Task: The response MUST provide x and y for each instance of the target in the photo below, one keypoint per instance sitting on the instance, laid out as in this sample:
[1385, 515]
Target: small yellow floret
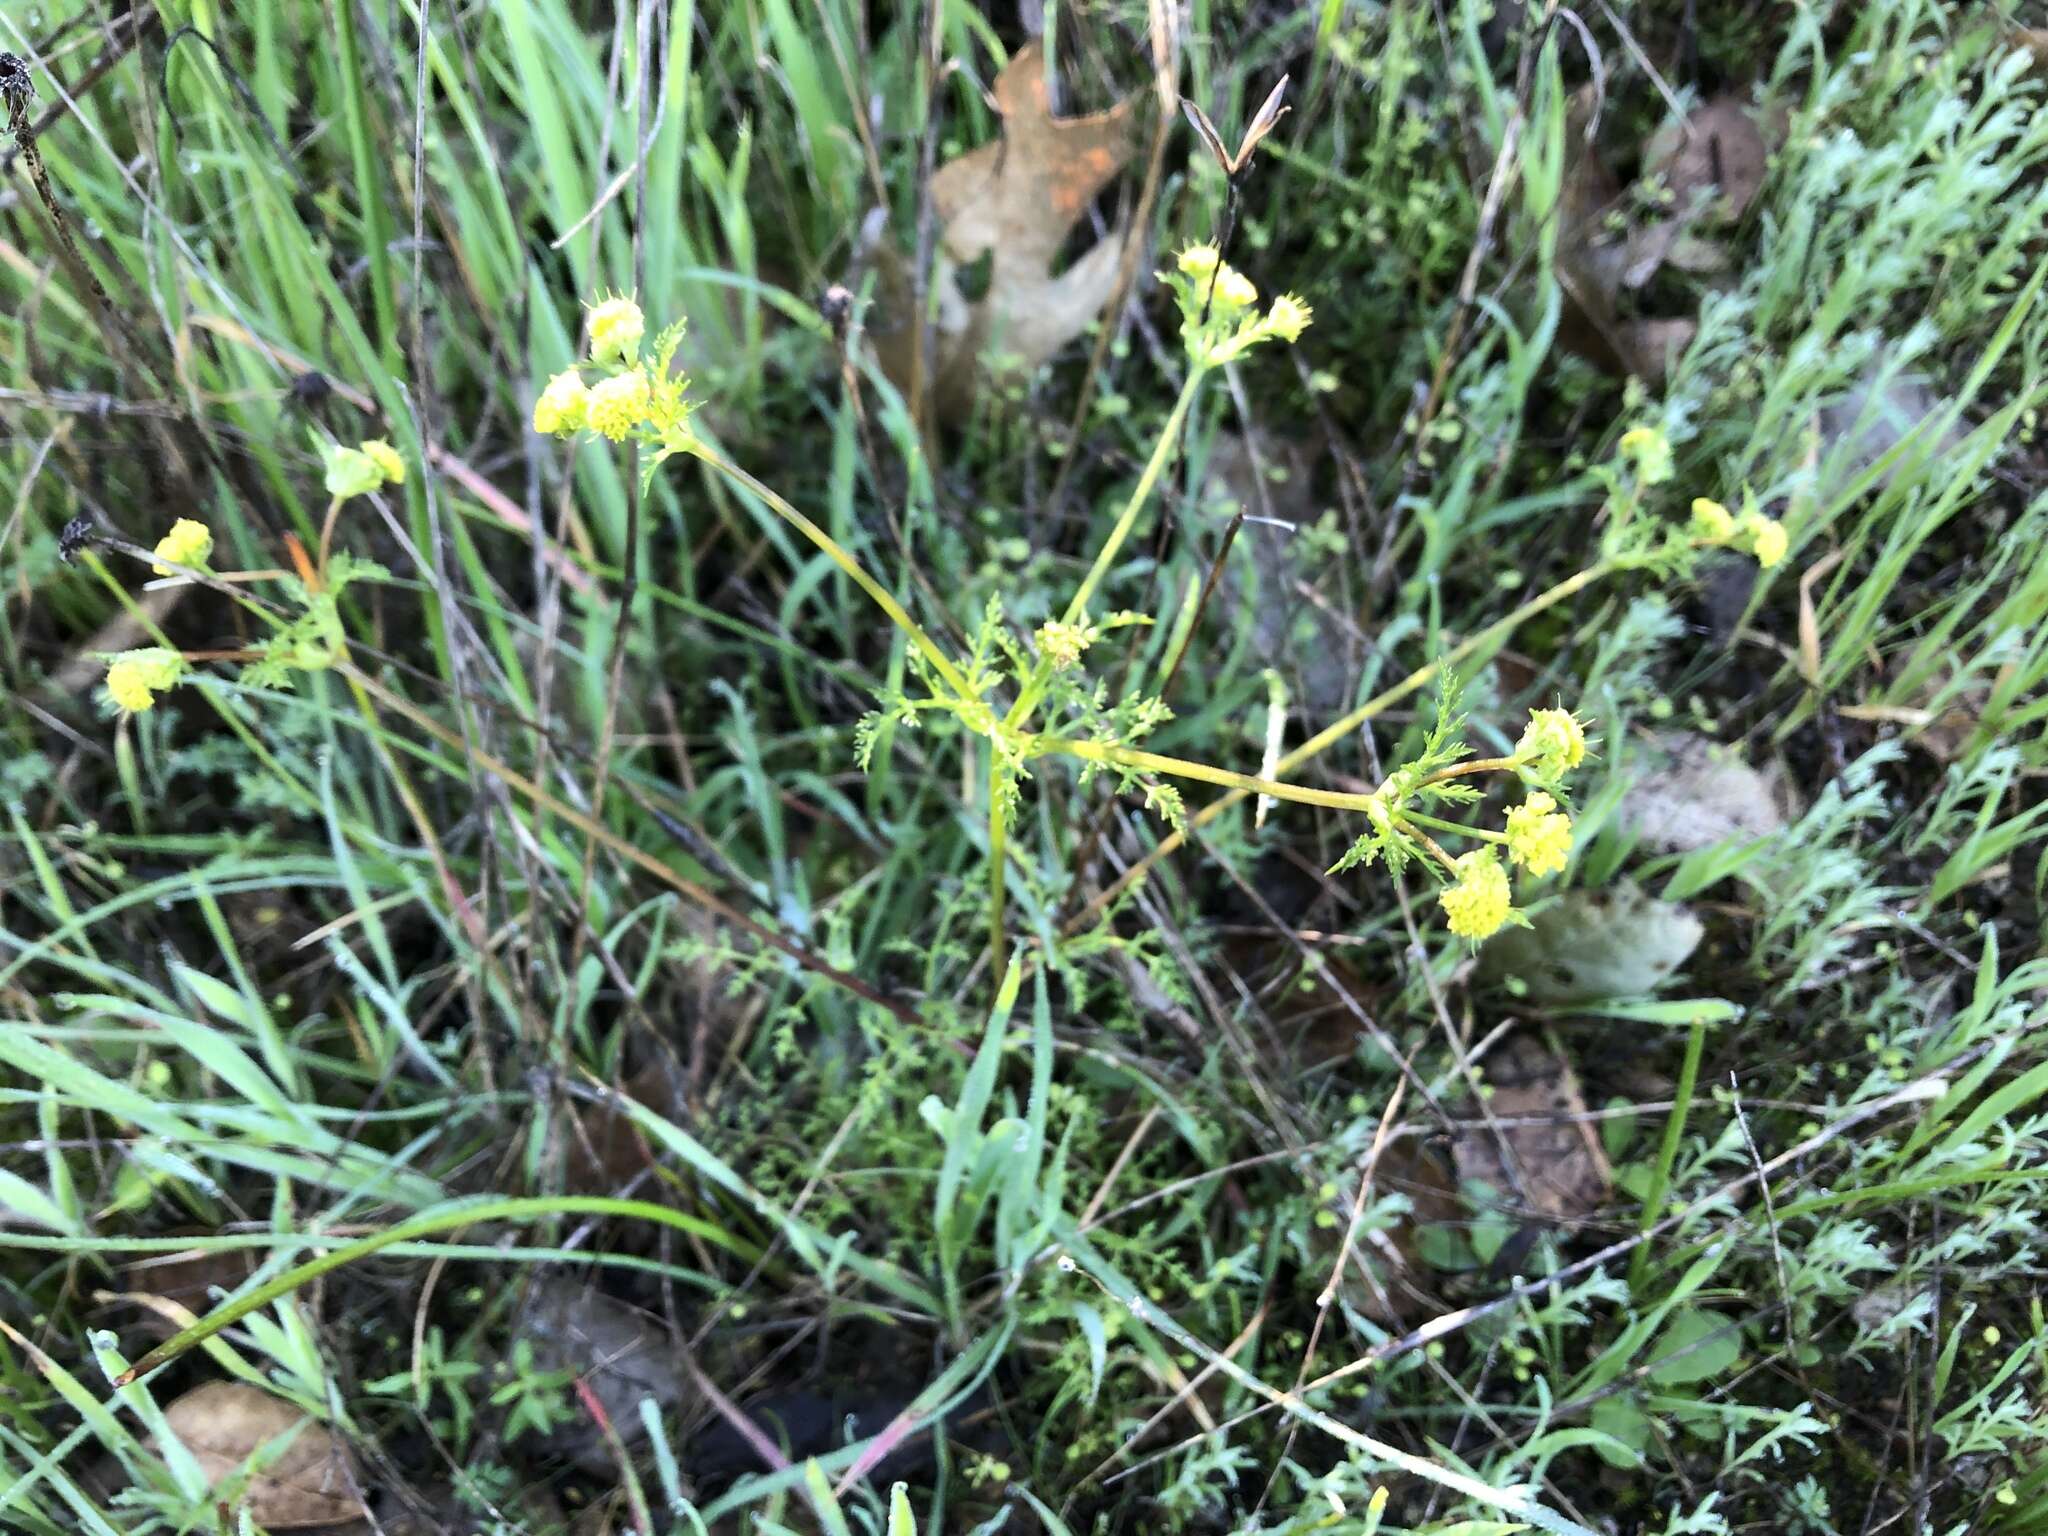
[385, 457]
[617, 405]
[562, 405]
[1539, 835]
[135, 678]
[1712, 521]
[616, 326]
[188, 543]
[1553, 741]
[1289, 317]
[1199, 260]
[1768, 541]
[1650, 451]
[1062, 644]
[1234, 290]
[1479, 903]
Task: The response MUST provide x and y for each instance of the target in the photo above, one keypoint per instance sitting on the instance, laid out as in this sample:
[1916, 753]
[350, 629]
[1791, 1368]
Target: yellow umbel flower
[617, 405]
[135, 678]
[1712, 521]
[1650, 451]
[616, 326]
[1539, 835]
[188, 543]
[1198, 260]
[1234, 290]
[1553, 742]
[563, 404]
[385, 457]
[1479, 903]
[1062, 643]
[1767, 540]
[1288, 317]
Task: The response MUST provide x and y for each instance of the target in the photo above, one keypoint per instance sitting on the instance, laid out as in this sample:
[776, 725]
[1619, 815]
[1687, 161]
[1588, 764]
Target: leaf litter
[1014, 203]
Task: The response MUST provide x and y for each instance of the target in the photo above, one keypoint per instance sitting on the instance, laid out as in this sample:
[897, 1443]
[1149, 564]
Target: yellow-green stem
[1148, 481]
[1185, 768]
[1477, 765]
[839, 556]
[1162, 453]
[998, 853]
[1454, 828]
[1034, 686]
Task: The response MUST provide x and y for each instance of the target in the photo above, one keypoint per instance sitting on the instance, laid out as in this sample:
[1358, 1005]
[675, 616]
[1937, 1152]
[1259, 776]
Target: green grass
[555, 943]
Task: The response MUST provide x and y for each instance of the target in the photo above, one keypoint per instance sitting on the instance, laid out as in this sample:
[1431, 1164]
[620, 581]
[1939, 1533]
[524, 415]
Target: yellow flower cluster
[189, 543]
[1219, 317]
[1478, 903]
[135, 678]
[357, 471]
[1062, 644]
[1539, 835]
[639, 397]
[1650, 451]
[1553, 743]
[1765, 536]
[616, 326]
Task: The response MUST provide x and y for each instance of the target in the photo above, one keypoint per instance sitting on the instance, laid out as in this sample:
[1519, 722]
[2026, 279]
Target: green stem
[840, 557]
[998, 854]
[1667, 1152]
[1162, 454]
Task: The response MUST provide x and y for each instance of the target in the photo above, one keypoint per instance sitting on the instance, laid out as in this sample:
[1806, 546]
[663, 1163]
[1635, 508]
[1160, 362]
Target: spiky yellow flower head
[1539, 835]
[188, 543]
[1650, 451]
[615, 406]
[1477, 905]
[1767, 540]
[1289, 317]
[385, 457]
[135, 678]
[1712, 521]
[616, 326]
[562, 405]
[1234, 290]
[1063, 643]
[1553, 742]
[1198, 260]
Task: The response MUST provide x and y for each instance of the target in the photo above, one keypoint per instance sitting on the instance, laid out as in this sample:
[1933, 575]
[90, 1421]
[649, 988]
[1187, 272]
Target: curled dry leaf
[1712, 165]
[1587, 945]
[1013, 202]
[311, 1482]
[1540, 1155]
[1693, 792]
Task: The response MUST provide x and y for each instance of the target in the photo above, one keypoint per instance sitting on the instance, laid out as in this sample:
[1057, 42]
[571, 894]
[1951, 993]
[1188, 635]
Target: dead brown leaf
[312, 1482]
[1540, 1153]
[1718, 149]
[1693, 792]
[1015, 202]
